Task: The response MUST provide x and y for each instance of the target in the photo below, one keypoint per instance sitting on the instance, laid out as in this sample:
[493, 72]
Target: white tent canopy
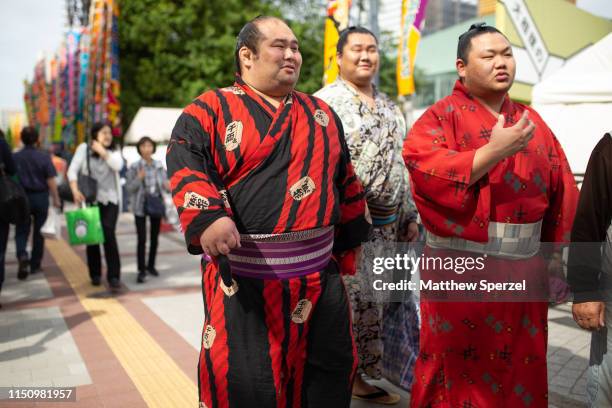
[585, 78]
[576, 101]
[157, 123]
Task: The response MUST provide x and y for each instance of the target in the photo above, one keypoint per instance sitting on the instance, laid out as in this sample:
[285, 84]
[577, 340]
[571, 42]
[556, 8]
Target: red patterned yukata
[485, 354]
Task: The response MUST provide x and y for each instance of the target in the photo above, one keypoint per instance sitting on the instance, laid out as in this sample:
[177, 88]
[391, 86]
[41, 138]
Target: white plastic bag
[171, 213]
[52, 227]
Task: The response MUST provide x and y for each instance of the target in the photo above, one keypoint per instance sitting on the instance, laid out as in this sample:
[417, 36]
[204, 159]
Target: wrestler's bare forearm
[484, 160]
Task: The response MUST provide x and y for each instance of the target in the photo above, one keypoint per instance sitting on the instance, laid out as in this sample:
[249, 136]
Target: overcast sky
[34, 27]
[30, 27]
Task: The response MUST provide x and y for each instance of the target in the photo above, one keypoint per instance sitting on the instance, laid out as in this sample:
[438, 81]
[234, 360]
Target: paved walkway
[139, 347]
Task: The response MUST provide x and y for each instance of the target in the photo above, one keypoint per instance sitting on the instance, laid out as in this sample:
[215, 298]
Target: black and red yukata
[280, 335]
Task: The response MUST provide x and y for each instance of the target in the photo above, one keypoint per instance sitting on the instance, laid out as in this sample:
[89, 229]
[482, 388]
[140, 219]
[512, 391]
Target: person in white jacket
[105, 161]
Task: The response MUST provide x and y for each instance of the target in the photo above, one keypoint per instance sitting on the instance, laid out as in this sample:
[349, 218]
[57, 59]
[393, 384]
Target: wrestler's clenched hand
[589, 315]
[410, 233]
[220, 237]
[504, 142]
[507, 141]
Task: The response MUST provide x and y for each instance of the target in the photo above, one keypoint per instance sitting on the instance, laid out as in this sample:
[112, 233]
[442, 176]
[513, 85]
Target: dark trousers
[108, 216]
[39, 206]
[262, 357]
[141, 231]
[4, 231]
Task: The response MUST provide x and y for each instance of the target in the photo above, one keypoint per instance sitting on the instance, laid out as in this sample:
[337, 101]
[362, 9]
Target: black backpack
[14, 205]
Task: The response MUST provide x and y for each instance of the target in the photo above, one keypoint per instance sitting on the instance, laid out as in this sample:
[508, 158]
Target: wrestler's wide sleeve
[592, 220]
[197, 190]
[355, 224]
[440, 170]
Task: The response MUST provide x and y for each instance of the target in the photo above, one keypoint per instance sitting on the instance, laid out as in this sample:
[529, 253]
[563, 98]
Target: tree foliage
[307, 20]
[386, 73]
[171, 51]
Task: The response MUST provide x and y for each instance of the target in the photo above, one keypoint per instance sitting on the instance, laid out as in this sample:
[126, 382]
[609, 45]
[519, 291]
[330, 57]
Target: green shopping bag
[84, 226]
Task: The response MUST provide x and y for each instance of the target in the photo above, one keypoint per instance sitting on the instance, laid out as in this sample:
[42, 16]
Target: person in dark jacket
[590, 270]
[7, 166]
[37, 176]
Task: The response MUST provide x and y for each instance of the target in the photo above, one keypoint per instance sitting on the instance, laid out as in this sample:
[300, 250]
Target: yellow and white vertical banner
[337, 20]
[413, 17]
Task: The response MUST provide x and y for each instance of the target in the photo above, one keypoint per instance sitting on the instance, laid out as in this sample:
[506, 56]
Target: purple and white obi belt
[282, 256]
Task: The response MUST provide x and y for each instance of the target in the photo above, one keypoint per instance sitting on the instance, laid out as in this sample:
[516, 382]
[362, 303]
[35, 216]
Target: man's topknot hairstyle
[249, 36]
[465, 40]
[344, 35]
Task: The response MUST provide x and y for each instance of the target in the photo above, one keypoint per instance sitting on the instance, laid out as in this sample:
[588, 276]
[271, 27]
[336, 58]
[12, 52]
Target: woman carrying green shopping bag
[84, 226]
[94, 178]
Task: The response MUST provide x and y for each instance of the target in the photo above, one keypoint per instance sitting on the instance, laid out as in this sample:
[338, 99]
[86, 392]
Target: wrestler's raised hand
[220, 237]
[507, 141]
[503, 142]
